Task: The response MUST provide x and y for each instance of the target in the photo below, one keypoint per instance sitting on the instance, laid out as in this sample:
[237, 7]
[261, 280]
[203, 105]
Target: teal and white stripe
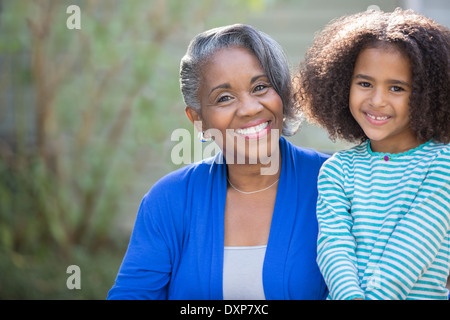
[384, 226]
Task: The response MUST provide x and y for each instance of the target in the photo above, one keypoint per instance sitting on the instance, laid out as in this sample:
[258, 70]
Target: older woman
[228, 227]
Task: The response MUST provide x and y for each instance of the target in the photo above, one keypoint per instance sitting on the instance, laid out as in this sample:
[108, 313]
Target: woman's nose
[249, 106]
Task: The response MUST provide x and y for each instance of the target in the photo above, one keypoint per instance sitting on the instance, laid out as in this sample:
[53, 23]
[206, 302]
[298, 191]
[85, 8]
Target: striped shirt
[384, 223]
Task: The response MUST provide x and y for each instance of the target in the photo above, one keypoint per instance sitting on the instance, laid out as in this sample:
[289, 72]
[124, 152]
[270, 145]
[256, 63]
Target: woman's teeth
[252, 130]
[377, 118]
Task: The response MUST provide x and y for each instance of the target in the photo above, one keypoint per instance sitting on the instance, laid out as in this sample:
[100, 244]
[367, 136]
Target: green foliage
[90, 109]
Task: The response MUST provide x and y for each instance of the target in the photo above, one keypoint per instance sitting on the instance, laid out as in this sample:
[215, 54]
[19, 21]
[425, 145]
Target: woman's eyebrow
[228, 86]
[220, 86]
[257, 77]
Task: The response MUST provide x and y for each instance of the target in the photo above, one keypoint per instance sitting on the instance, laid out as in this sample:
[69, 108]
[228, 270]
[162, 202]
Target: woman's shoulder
[166, 200]
[177, 182]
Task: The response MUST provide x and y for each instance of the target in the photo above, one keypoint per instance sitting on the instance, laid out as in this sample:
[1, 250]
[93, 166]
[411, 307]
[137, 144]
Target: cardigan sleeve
[336, 245]
[146, 268]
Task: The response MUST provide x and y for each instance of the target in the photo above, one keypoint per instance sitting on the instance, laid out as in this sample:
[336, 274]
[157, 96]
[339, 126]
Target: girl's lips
[376, 119]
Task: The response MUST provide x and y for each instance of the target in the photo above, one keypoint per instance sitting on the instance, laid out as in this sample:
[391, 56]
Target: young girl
[382, 79]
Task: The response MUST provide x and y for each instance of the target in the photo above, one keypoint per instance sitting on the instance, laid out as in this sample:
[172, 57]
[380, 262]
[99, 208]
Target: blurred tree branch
[93, 91]
[78, 78]
[86, 112]
[45, 94]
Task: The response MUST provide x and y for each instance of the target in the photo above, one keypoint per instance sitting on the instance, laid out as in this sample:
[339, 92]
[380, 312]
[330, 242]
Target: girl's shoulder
[360, 156]
[348, 155]
[438, 148]
[431, 154]
[438, 156]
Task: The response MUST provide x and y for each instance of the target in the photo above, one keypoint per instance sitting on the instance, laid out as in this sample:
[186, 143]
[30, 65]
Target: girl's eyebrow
[404, 83]
[391, 81]
[363, 76]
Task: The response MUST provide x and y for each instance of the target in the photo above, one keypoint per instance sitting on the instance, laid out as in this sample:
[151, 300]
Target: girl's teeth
[252, 130]
[377, 118]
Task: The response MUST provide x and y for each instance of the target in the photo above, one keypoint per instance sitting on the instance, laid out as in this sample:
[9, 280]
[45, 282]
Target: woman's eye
[364, 84]
[224, 99]
[260, 87]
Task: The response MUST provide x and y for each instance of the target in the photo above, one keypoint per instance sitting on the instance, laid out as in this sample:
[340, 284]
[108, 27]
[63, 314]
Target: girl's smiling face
[238, 100]
[379, 99]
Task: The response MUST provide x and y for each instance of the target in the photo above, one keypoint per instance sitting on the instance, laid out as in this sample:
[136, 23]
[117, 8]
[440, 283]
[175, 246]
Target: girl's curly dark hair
[323, 82]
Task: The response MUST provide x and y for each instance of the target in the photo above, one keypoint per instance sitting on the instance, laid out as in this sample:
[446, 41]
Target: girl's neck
[395, 146]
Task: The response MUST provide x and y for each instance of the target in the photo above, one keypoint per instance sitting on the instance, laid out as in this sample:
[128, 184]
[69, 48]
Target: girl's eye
[397, 89]
[364, 84]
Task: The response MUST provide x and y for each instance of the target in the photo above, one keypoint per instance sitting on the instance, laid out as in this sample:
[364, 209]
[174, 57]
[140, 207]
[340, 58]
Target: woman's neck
[251, 177]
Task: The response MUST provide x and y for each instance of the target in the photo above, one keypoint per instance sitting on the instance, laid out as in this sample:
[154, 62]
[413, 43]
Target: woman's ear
[194, 117]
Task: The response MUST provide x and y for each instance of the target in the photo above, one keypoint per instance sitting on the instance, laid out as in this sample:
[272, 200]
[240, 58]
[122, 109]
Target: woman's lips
[254, 132]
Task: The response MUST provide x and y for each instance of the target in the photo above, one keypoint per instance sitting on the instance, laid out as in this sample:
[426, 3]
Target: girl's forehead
[385, 46]
[383, 53]
[383, 63]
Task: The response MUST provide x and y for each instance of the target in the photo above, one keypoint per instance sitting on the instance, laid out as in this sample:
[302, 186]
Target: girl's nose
[378, 98]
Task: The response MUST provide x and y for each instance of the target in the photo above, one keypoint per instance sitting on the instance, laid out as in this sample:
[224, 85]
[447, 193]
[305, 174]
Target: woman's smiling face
[238, 101]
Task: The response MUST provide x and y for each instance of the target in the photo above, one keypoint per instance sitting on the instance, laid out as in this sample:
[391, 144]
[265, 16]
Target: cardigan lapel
[281, 228]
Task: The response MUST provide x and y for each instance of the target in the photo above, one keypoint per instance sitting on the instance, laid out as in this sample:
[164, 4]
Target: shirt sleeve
[417, 238]
[146, 268]
[336, 245]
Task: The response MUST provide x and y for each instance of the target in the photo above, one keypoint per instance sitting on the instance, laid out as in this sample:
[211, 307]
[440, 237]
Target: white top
[242, 273]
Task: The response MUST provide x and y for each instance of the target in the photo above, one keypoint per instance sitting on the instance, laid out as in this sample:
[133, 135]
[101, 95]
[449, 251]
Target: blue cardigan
[176, 248]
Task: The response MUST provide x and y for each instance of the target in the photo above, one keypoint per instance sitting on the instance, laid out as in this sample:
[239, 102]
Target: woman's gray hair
[266, 50]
